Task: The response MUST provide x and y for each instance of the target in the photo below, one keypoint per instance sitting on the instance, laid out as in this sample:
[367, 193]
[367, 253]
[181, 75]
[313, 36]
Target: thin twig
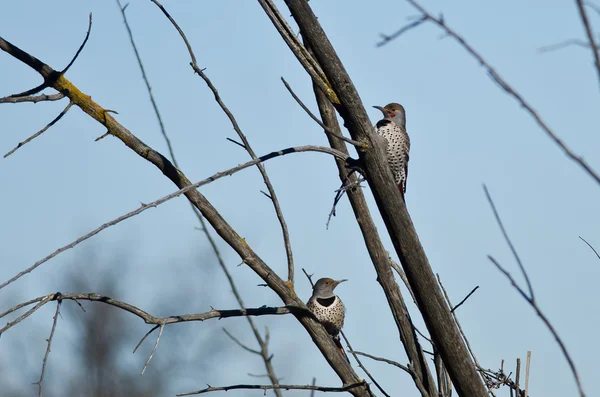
[309, 277]
[270, 387]
[590, 35]
[162, 327]
[87, 36]
[464, 299]
[361, 365]
[563, 44]
[144, 338]
[179, 192]
[284, 229]
[508, 89]
[512, 248]
[28, 313]
[463, 335]
[40, 132]
[233, 338]
[32, 98]
[589, 245]
[527, 364]
[402, 276]
[147, 82]
[264, 351]
[385, 360]
[540, 314]
[54, 321]
[329, 131]
[386, 38]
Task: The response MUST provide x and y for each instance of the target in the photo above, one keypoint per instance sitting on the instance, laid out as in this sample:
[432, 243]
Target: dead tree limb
[392, 207]
[286, 292]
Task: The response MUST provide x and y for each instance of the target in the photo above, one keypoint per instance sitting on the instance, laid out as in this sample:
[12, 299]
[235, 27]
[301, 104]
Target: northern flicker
[328, 307]
[393, 128]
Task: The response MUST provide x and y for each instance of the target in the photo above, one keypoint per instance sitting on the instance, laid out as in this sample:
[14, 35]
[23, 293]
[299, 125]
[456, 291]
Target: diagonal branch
[184, 190]
[530, 299]
[510, 244]
[393, 211]
[508, 89]
[590, 35]
[284, 229]
[285, 292]
[40, 132]
[590, 245]
[379, 256]
[264, 349]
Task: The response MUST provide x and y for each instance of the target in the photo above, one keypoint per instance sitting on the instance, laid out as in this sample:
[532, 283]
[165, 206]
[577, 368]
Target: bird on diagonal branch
[328, 307]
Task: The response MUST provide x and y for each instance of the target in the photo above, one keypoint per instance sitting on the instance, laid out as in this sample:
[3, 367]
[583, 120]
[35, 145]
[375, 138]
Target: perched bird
[328, 307]
[393, 128]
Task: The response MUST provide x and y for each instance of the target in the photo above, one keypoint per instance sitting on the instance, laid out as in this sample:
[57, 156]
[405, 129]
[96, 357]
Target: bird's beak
[380, 108]
[337, 282]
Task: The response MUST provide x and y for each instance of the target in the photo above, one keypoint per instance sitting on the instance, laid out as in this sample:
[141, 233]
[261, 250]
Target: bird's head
[394, 111]
[324, 287]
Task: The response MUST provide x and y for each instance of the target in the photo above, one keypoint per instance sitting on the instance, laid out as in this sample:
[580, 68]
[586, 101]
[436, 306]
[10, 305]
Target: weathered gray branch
[379, 257]
[262, 342]
[392, 207]
[286, 292]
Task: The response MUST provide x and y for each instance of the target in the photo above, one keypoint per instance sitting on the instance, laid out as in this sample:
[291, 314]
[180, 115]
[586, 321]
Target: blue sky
[464, 131]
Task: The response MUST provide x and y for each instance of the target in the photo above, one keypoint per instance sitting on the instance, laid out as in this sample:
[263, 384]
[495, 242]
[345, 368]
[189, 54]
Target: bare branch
[387, 38]
[271, 387]
[42, 301]
[161, 321]
[147, 82]
[162, 327]
[32, 99]
[87, 36]
[385, 360]
[179, 192]
[248, 256]
[563, 44]
[264, 351]
[463, 335]
[40, 132]
[512, 248]
[590, 35]
[328, 131]
[508, 89]
[360, 364]
[464, 299]
[233, 338]
[144, 337]
[589, 245]
[284, 229]
[54, 321]
[306, 59]
[540, 314]
[527, 365]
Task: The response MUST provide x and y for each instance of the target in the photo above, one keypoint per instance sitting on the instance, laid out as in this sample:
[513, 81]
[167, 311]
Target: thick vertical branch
[393, 209]
[379, 257]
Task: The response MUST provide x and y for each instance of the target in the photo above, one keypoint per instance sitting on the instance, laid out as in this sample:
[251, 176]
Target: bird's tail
[338, 343]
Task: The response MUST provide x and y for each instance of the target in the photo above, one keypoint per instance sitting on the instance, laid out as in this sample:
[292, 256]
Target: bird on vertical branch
[328, 308]
[393, 128]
